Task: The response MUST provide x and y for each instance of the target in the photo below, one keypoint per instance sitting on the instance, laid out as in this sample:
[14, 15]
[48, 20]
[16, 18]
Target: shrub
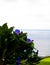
[15, 46]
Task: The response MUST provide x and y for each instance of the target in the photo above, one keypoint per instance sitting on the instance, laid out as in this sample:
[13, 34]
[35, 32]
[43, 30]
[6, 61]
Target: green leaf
[22, 34]
[0, 30]
[32, 45]
[4, 27]
[11, 29]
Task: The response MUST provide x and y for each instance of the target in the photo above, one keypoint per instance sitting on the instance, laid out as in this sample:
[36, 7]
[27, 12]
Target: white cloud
[26, 14]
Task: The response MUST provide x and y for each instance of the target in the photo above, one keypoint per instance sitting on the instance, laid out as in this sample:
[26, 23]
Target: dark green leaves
[13, 44]
[11, 29]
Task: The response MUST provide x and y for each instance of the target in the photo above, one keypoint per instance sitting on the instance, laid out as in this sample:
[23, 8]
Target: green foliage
[13, 46]
[45, 61]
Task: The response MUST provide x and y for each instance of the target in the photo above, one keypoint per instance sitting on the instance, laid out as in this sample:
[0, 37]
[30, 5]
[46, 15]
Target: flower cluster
[17, 31]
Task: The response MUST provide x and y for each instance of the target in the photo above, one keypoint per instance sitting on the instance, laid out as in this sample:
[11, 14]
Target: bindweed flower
[18, 61]
[17, 31]
[18, 58]
[29, 40]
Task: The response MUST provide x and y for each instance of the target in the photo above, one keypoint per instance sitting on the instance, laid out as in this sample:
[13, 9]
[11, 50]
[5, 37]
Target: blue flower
[29, 40]
[18, 61]
[17, 31]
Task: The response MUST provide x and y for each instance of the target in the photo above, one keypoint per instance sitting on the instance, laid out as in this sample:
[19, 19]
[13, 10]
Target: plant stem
[4, 53]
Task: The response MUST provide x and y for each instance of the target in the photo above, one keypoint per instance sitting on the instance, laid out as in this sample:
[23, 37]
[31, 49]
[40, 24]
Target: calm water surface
[41, 40]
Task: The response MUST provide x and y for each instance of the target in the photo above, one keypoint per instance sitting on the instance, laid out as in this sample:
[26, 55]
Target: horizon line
[37, 29]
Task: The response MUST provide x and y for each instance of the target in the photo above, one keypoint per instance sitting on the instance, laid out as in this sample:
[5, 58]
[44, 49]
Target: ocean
[41, 40]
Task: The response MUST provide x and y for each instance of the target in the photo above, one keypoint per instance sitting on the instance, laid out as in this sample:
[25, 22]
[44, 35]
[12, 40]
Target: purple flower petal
[29, 40]
[18, 61]
[17, 31]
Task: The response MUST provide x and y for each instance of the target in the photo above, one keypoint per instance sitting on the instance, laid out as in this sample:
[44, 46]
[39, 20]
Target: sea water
[41, 40]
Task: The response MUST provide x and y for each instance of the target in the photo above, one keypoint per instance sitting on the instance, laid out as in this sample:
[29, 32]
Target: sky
[25, 14]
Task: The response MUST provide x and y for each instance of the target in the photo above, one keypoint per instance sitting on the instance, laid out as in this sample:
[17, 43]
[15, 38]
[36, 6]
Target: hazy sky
[25, 14]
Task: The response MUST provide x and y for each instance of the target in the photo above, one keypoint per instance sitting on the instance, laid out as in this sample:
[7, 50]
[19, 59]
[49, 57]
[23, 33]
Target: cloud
[25, 14]
[8, 0]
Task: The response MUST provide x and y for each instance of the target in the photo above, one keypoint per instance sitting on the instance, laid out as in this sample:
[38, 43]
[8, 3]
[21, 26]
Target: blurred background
[32, 16]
